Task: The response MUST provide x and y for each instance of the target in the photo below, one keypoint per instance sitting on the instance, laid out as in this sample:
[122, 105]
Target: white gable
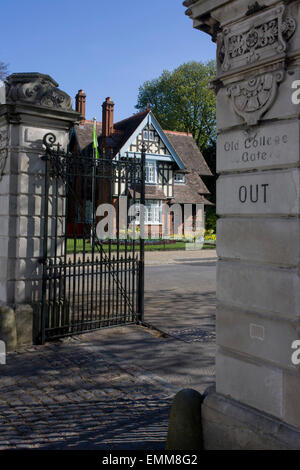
[154, 144]
[158, 146]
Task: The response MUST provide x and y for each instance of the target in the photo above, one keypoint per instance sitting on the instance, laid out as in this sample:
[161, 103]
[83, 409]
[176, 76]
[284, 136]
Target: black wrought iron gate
[93, 257]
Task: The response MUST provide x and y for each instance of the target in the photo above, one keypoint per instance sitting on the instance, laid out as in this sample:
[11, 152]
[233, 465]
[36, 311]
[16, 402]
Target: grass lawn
[179, 245]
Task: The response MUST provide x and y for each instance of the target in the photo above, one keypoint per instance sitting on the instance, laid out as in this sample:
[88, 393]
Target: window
[151, 135]
[148, 135]
[153, 212]
[151, 174]
[135, 213]
[179, 178]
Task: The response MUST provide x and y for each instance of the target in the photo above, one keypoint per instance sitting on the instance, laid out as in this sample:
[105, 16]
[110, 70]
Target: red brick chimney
[107, 117]
[80, 102]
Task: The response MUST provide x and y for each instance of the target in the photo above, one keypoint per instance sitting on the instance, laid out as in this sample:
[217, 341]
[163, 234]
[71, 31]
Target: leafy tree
[182, 100]
[3, 70]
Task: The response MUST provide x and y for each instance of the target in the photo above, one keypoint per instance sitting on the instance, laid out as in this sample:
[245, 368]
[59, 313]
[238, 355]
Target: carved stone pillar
[257, 399]
[31, 106]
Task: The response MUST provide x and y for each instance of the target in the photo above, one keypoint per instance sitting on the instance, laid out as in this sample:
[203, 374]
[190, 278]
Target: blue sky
[105, 47]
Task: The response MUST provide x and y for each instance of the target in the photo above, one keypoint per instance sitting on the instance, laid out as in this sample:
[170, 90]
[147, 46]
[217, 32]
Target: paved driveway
[181, 295]
[112, 389]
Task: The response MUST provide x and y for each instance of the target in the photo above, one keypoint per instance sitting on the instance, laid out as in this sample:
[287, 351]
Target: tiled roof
[192, 191]
[184, 194]
[151, 192]
[188, 152]
[125, 128]
[194, 180]
[122, 132]
[84, 133]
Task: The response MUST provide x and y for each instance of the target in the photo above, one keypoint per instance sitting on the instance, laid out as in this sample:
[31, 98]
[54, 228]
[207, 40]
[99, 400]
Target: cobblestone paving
[65, 396]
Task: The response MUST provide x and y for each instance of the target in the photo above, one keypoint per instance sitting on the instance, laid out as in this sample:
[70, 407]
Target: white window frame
[179, 178]
[135, 213]
[151, 179]
[148, 135]
[151, 135]
[153, 212]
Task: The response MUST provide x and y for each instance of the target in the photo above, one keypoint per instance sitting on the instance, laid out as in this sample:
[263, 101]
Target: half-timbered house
[173, 167]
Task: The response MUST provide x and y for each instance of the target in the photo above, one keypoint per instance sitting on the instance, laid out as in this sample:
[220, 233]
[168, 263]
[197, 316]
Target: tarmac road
[180, 295]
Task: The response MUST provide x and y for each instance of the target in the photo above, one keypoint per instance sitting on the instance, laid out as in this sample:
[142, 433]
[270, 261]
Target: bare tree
[3, 70]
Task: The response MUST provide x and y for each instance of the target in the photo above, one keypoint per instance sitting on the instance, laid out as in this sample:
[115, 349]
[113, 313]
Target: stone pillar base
[229, 425]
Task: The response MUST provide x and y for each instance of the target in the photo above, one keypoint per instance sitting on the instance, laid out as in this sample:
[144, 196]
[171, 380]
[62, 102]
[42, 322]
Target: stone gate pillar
[30, 106]
[257, 399]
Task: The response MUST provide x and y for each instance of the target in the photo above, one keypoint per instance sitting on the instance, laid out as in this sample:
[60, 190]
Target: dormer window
[179, 178]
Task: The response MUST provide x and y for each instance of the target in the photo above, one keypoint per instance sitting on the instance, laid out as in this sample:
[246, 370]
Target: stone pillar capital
[40, 93]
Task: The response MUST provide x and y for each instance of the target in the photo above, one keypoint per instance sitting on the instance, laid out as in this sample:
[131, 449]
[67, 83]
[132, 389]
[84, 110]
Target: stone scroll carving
[251, 98]
[3, 149]
[254, 40]
[37, 89]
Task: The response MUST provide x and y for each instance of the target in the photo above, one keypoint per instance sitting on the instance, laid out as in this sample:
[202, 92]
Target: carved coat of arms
[254, 40]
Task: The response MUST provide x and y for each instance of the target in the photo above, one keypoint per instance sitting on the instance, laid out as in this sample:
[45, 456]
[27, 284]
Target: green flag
[95, 141]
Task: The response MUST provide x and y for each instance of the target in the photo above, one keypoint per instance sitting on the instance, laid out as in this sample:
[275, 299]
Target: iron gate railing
[90, 282]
